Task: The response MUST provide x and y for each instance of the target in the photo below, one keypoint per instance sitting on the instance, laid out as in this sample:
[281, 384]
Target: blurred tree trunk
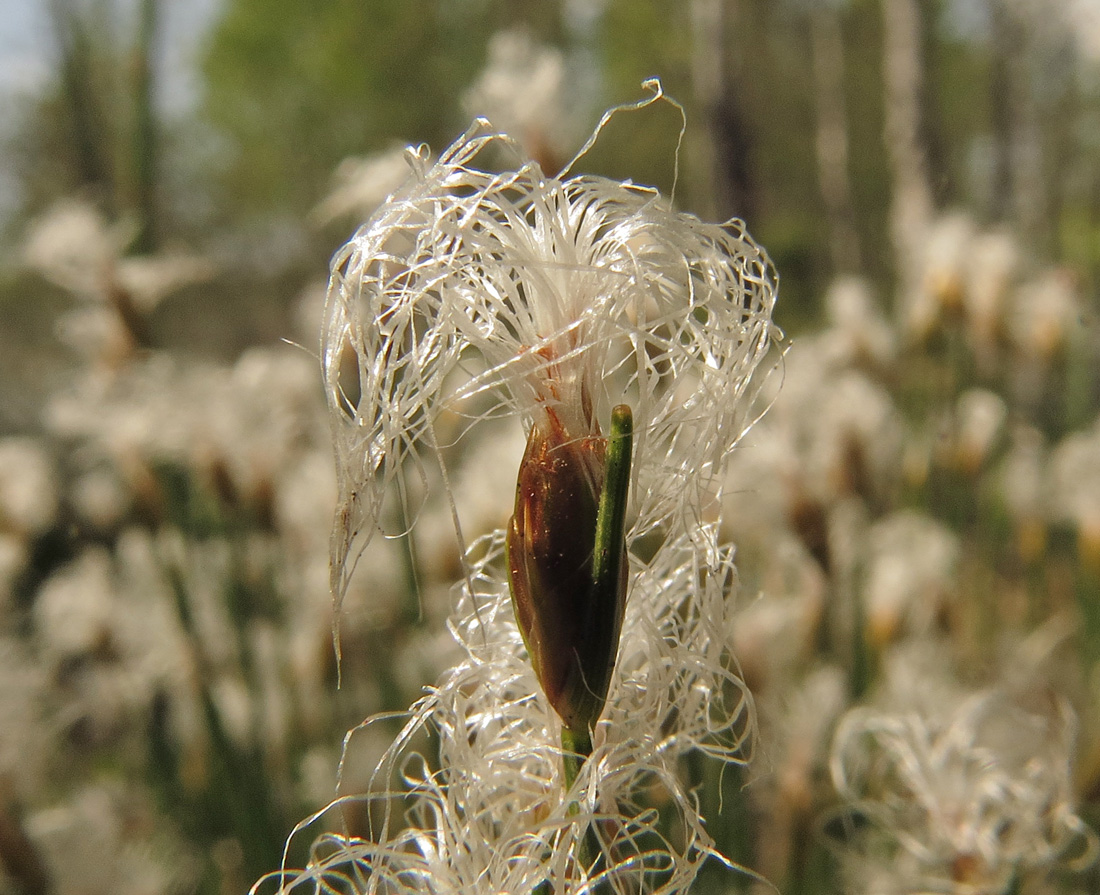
[1092, 285]
[1033, 140]
[1018, 123]
[911, 205]
[827, 49]
[1029, 194]
[74, 45]
[1004, 41]
[728, 145]
[145, 136]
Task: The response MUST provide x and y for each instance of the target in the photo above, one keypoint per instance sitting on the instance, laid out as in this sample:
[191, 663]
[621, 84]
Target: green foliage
[296, 87]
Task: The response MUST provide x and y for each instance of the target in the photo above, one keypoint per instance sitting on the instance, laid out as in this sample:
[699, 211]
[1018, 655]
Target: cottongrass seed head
[472, 295]
[484, 294]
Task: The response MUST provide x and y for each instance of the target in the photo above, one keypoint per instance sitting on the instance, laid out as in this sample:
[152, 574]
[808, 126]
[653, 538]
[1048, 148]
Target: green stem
[576, 746]
[145, 129]
[862, 658]
[609, 552]
[607, 589]
[611, 514]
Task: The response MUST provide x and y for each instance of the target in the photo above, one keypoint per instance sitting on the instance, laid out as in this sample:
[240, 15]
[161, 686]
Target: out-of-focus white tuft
[28, 487]
[73, 247]
[956, 791]
[1075, 464]
[533, 92]
[361, 185]
[910, 575]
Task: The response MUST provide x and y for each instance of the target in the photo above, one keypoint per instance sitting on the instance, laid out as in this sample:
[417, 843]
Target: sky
[24, 53]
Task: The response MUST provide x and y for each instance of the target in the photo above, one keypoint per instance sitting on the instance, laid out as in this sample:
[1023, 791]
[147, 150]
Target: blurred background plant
[917, 518]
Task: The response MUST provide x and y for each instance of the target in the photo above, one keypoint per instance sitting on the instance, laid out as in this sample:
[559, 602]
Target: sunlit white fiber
[492, 814]
[485, 294]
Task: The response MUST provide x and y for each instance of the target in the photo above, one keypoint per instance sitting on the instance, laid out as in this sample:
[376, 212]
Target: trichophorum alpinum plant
[595, 631]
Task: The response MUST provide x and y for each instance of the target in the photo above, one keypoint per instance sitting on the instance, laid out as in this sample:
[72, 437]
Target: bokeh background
[917, 517]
